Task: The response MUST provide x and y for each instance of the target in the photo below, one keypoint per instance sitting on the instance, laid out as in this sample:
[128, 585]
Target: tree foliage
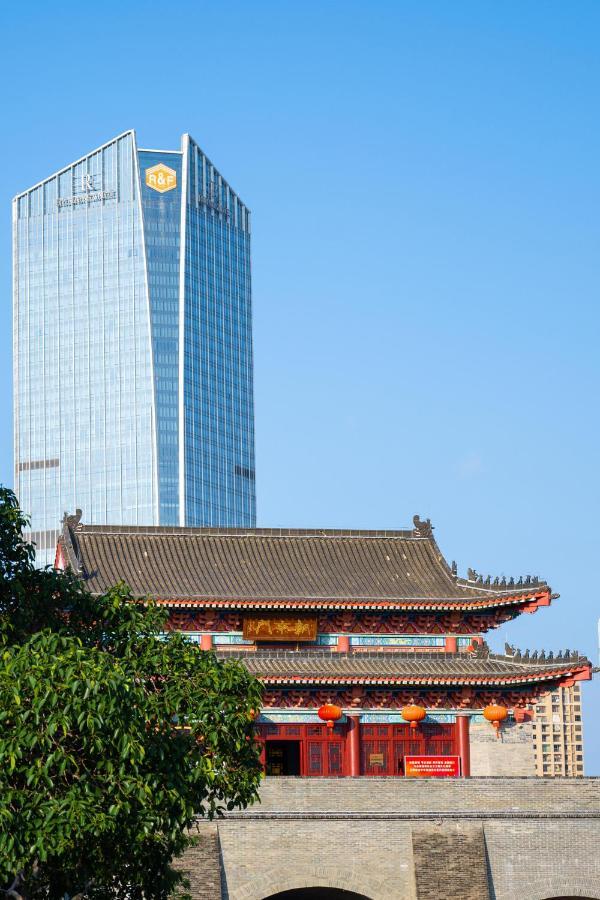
[113, 735]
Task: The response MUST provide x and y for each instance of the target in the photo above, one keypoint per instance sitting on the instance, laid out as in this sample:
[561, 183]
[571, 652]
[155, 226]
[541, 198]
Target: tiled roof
[327, 667]
[278, 568]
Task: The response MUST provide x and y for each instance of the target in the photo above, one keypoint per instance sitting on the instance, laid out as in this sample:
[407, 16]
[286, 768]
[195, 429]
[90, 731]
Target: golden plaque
[280, 628]
[375, 759]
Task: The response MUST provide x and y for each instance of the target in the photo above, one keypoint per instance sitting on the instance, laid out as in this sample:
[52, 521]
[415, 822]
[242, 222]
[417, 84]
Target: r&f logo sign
[161, 178]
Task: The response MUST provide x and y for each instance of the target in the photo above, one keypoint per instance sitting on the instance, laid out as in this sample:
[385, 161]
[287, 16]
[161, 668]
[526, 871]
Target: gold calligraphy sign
[280, 628]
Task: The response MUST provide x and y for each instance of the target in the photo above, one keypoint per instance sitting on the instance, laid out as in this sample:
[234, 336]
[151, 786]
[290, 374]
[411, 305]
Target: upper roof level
[279, 568]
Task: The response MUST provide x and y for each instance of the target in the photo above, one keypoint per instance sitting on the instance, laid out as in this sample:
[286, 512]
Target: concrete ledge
[411, 816]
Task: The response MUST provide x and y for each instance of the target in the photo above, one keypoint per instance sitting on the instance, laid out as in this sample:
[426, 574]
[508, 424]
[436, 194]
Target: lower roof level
[305, 679]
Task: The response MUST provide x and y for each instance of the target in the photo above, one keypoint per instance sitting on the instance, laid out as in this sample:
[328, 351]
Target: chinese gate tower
[369, 645]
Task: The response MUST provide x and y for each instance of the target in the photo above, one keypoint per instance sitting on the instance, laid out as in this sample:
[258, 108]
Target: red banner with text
[432, 766]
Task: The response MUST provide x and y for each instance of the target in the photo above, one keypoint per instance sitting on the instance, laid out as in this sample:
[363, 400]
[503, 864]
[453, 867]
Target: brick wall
[407, 839]
[511, 753]
[201, 863]
[400, 796]
[449, 861]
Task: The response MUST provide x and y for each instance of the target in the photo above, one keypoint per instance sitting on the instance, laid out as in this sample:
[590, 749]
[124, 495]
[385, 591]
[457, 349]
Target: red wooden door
[383, 747]
[321, 749]
[375, 750]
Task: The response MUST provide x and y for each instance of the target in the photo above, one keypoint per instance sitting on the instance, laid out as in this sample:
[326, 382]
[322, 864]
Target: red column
[464, 749]
[353, 745]
[451, 645]
[343, 643]
[206, 641]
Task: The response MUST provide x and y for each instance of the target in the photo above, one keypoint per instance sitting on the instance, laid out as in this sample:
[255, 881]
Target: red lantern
[413, 714]
[329, 713]
[496, 715]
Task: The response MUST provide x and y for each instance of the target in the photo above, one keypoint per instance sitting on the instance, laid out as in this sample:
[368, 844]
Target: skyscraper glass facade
[133, 344]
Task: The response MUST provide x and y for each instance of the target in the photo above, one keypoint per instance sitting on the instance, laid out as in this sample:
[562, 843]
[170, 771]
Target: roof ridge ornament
[541, 655]
[500, 581]
[423, 528]
[70, 543]
[72, 521]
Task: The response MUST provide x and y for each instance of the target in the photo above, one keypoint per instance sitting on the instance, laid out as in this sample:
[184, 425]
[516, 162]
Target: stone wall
[408, 839]
[511, 753]
[450, 861]
[202, 864]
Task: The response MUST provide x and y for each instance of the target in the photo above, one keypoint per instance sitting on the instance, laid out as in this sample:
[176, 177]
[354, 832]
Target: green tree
[113, 737]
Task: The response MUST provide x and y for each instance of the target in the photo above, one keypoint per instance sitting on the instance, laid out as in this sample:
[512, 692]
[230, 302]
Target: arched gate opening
[317, 893]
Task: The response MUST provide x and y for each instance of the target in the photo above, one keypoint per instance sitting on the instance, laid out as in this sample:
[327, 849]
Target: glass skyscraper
[133, 374]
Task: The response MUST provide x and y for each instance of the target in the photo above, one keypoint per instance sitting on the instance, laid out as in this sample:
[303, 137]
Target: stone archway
[575, 885]
[312, 883]
[576, 891]
[317, 893]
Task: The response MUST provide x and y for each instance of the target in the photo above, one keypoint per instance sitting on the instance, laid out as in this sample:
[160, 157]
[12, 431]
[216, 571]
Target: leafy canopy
[113, 736]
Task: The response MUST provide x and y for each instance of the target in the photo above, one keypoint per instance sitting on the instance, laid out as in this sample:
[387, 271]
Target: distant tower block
[133, 365]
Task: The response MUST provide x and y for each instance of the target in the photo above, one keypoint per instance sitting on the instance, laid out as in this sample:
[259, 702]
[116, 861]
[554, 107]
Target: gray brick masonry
[202, 864]
[511, 753]
[449, 861]
[407, 839]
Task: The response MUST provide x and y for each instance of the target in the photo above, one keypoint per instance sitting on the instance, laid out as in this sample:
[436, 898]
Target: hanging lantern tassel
[495, 714]
[413, 714]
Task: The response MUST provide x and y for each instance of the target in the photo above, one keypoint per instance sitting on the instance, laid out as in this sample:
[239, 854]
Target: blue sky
[425, 190]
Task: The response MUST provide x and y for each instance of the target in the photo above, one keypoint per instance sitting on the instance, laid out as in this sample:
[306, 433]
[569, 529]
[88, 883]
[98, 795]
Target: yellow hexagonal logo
[161, 178]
